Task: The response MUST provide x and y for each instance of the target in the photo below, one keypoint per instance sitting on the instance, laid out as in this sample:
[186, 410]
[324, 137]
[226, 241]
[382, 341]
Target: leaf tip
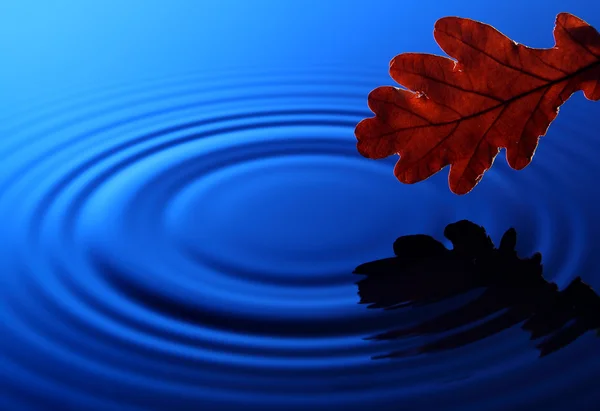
[463, 187]
[443, 22]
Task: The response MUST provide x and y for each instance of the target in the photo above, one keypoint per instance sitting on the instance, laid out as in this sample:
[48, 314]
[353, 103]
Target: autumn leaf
[493, 93]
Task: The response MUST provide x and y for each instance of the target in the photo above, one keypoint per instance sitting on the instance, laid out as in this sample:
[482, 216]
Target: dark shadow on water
[513, 292]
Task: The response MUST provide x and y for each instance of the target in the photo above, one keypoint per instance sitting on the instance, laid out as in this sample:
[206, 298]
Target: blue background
[182, 205]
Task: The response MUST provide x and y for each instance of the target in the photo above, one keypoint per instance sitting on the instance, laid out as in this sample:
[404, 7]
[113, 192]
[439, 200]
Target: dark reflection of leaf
[514, 291]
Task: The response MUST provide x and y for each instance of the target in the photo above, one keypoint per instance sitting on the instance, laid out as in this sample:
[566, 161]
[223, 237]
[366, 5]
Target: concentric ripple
[188, 243]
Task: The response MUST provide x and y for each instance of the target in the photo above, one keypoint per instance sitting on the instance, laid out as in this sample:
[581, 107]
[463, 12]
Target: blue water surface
[182, 205]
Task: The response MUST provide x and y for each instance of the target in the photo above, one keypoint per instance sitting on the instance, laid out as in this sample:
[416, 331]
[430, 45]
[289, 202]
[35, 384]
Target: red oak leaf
[496, 94]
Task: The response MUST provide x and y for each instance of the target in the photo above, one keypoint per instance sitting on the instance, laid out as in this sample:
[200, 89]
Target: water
[186, 241]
